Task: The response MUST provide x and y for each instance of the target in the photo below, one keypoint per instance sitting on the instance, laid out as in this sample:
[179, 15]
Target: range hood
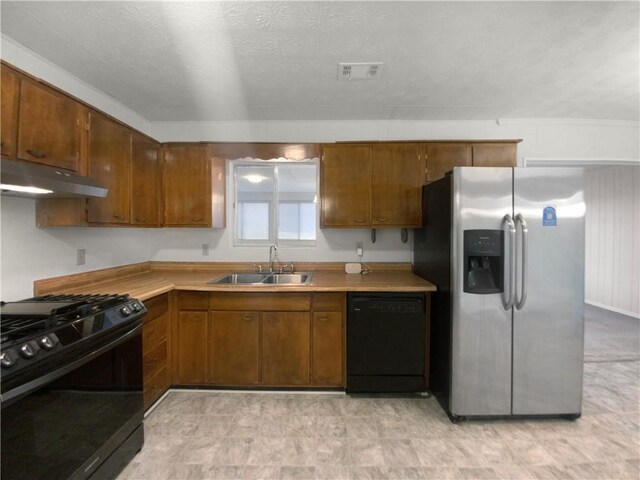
[26, 179]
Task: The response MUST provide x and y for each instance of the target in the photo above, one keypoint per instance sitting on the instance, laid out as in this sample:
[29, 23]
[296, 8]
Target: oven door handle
[54, 375]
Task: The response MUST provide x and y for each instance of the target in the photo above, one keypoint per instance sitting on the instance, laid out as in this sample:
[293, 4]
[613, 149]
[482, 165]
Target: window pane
[307, 221]
[288, 222]
[253, 221]
[296, 193]
[257, 189]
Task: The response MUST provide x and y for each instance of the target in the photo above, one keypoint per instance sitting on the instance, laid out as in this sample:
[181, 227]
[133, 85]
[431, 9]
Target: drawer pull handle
[118, 217]
[247, 317]
[36, 153]
[381, 219]
[199, 219]
[358, 220]
[139, 219]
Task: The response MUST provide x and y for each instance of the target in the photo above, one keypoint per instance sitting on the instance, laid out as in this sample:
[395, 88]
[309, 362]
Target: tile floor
[211, 435]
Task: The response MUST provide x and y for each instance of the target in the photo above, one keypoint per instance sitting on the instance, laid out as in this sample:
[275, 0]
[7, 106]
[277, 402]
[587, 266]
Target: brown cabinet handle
[139, 219]
[36, 153]
[381, 219]
[199, 219]
[247, 317]
[323, 318]
[357, 220]
[118, 217]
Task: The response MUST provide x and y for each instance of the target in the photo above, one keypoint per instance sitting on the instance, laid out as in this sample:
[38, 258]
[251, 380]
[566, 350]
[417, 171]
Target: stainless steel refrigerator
[505, 247]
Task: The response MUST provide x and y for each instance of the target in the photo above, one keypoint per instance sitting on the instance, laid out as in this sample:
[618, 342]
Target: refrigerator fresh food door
[549, 305]
[481, 324]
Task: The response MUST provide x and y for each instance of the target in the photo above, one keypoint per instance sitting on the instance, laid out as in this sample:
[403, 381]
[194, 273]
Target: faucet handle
[292, 267]
[258, 267]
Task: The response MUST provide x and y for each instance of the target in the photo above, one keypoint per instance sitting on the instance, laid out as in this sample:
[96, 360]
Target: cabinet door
[396, 182]
[145, 181]
[49, 127]
[442, 157]
[494, 155]
[110, 166]
[9, 86]
[186, 179]
[327, 362]
[234, 348]
[285, 348]
[346, 186]
[191, 347]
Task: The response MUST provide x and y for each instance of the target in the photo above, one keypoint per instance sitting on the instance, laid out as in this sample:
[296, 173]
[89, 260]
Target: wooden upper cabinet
[189, 173]
[442, 157]
[48, 126]
[495, 155]
[109, 165]
[345, 186]
[9, 85]
[145, 181]
[396, 181]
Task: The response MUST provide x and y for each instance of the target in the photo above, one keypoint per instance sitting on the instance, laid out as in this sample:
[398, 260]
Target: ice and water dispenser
[483, 261]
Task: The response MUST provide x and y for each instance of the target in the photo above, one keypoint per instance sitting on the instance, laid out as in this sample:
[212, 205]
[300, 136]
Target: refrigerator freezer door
[481, 326]
[548, 329]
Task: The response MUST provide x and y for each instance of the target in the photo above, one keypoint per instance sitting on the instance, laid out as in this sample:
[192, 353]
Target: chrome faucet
[273, 254]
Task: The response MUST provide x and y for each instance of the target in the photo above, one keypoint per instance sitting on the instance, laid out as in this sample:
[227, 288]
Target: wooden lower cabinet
[327, 357]
[155, 349]
[234, 348]
[191, 347]
[260, 340]
[285, 348]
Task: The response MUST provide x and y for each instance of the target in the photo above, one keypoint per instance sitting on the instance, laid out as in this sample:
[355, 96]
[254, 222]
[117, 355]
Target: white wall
[612, 249]
[29, 253]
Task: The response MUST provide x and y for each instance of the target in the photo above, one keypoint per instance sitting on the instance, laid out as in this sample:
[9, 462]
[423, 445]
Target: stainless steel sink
[289, 279]
[301, 278]
[241, 278]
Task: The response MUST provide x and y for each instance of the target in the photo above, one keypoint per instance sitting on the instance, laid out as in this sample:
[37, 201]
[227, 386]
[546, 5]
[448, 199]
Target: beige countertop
[148, 279]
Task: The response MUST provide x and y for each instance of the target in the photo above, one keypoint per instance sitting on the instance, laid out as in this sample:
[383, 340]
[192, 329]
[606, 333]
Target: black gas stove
[34, 329]
[71, 372]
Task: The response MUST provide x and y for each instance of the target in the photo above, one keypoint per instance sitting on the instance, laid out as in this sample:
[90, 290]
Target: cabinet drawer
[155, 386]
[155, 332]
[154, 360]
[328, 302]
[193, 301]
[156, 307]
[261, 301]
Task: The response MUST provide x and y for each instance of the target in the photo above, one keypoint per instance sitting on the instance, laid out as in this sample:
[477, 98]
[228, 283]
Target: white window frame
[273, 204]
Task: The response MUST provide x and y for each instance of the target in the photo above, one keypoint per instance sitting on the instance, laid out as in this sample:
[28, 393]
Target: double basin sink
[301, 278]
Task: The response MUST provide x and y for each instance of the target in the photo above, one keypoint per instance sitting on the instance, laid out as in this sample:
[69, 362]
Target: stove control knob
[6, 360]
[136, 307]
[125, 311]
[27, 351]
[47, 342]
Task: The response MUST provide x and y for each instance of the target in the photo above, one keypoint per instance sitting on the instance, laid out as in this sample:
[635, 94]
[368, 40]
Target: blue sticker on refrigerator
[549, 218]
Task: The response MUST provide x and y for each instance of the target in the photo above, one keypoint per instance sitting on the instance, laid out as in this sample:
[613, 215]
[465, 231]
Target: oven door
[74, 420]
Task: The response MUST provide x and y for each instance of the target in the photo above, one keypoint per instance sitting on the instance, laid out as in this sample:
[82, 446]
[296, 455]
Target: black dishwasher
[386, 341]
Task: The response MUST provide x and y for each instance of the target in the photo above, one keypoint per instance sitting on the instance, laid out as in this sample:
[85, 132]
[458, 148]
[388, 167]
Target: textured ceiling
[274, 60]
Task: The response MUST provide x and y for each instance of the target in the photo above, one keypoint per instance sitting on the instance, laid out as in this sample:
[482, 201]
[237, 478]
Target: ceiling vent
[359, 71]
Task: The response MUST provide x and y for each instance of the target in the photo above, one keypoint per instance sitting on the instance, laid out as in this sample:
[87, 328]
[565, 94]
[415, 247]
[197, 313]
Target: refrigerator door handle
[508, 297]
[523, 278]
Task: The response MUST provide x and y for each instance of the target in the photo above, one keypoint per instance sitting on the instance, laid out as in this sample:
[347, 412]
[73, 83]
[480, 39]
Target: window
[275, 203]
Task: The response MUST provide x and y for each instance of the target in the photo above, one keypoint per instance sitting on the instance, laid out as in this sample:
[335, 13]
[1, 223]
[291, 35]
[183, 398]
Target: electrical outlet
[359, 249]
[81, 256]
[205, 249]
